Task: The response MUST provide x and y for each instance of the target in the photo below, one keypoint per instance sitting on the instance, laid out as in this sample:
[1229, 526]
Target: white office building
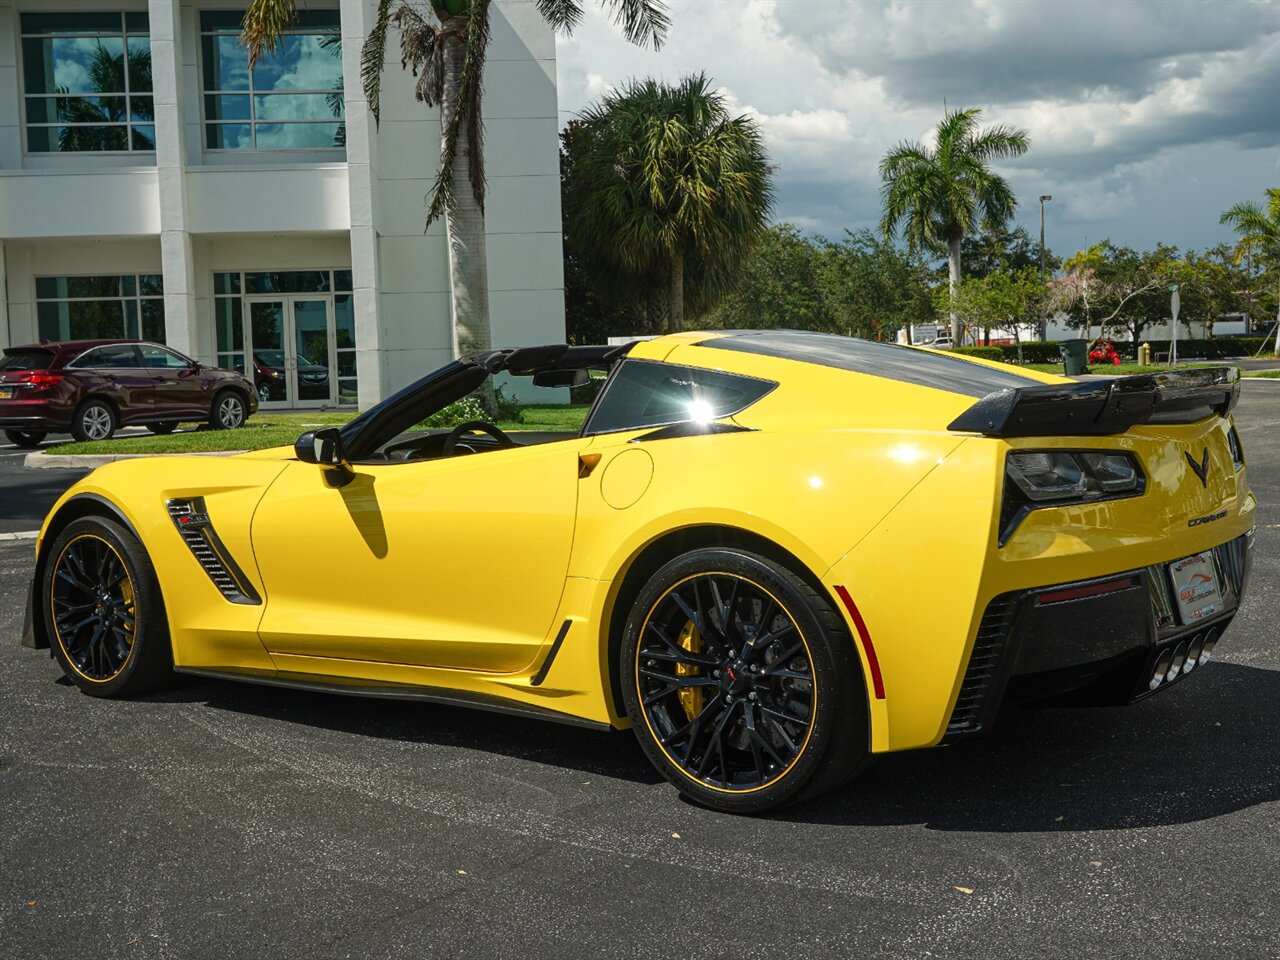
[152, 186]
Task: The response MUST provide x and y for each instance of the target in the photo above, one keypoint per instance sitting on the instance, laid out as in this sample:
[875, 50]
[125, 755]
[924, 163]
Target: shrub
[984, 353]
[1033, 352]
[460, 411]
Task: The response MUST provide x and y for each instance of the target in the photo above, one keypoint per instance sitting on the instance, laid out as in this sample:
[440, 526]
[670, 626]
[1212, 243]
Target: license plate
[1195, 586]
[6, 393]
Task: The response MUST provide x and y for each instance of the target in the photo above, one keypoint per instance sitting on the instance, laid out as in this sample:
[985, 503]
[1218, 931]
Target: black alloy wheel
[26, 439]
[163, 428]
[228, 411]
[103, 610]
[742, 683]
[94, 420]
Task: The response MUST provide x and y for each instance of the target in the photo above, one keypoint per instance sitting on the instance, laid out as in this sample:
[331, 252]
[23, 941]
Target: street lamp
[1043, 319]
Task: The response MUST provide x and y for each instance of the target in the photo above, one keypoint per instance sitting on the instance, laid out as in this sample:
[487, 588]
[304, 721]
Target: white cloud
[1132, 107]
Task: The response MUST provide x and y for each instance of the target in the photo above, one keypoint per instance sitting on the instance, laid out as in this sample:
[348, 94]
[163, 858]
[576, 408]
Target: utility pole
[1044, 321]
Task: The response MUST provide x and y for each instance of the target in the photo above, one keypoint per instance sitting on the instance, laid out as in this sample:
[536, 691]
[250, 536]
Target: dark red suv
[88, 388]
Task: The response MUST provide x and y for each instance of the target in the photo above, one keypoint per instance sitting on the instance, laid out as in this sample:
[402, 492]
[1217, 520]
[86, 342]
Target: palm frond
[466, 112]
[373, 58]
[264, 24]
[421, 52]
[643, 22]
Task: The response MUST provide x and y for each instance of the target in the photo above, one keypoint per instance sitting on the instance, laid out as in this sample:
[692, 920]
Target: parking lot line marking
[20, 535]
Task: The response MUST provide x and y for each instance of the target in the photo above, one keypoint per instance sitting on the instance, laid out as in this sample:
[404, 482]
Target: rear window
[26, 360]
[644, 393]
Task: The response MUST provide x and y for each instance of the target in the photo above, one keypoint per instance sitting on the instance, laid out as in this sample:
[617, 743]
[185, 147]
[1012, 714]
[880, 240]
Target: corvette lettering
[1196, 521]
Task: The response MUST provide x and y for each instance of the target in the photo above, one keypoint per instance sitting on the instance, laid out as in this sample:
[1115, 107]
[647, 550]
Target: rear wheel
[164, 428]
[26, 439]
[94, 420]
[264, 392]
[105, 613]
[741, 683]
[228, 411]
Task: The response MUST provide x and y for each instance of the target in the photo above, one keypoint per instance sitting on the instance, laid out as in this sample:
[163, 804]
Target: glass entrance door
[291, 342]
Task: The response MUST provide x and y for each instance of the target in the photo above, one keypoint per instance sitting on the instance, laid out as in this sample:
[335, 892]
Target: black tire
[163, 428]
[94, 420]
[264, 392]
[26, 439]
[228, 411]
[105, 614]
[789, 715]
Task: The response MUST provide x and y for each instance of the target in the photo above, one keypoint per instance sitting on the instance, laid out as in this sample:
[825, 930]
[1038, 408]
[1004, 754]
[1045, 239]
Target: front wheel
[228, 411]
[742, 683]
[26, 439]
[105, 613]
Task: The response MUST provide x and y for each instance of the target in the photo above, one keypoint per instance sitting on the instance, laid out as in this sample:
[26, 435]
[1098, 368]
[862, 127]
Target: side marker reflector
[877, 681]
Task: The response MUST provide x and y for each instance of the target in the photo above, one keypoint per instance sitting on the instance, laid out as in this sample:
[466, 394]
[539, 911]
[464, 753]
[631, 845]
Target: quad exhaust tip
[1182, 659]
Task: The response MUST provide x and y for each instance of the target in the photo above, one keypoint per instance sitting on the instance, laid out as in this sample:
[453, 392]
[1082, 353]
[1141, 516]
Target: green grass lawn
[1262, 374]
[272, 429]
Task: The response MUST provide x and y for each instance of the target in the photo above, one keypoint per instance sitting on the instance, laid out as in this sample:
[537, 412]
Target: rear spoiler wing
[1103, 407]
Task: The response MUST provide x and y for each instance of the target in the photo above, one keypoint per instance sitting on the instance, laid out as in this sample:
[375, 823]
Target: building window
[300, 321]
[89, 308]
[291, 100]
[87, 79]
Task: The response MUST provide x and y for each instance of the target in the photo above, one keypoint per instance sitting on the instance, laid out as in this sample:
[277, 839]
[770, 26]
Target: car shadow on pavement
[1208, 746]
[608, 754]
[1204, 748]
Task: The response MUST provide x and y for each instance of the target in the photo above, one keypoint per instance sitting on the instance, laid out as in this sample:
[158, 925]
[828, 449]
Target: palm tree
[944, 193]
[1259, 233]
[670, 188]
[444, 43]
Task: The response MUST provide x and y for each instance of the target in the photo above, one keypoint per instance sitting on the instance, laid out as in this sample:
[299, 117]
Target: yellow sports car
[771, 554]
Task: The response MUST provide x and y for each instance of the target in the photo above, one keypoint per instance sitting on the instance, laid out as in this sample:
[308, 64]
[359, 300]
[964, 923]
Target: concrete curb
[39, 460]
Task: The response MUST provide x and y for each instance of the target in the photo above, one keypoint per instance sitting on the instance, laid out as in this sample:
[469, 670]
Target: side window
[645, 393]
[116, 356]
[90, 358]
[159, 357]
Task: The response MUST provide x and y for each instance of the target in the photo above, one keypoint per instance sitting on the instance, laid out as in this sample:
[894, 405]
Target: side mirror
[324, 448]
[321, 446]
[561, 378]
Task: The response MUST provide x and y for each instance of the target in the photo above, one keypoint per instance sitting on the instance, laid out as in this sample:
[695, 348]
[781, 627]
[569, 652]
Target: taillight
[43, 381]
[1237, 451]
[1052, 478]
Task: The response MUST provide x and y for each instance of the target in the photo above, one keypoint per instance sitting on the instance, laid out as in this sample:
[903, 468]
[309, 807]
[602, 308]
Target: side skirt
[362, 688]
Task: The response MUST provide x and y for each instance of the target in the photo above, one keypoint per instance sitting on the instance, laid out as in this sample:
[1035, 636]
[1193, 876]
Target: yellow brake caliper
[126, 594]
[690, 697]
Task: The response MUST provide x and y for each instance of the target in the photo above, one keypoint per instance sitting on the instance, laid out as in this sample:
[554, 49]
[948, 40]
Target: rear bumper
[1094, 641]
[10, 421]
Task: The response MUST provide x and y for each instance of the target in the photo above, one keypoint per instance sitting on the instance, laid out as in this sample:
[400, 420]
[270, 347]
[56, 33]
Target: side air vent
[971, 714]
[192, 521]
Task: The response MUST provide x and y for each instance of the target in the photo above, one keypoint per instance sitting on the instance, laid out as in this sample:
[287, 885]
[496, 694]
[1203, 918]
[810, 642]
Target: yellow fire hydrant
[1144, 354]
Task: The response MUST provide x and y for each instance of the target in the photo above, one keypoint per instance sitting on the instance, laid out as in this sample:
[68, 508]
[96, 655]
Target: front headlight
[1051, 478]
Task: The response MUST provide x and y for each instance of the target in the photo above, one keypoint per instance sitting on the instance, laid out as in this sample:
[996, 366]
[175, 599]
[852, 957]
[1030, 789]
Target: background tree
[669, 188]
[1259, 232]
[861, 286]
[444, 43]
[1008, 299]
[943, 194]
[872, 288]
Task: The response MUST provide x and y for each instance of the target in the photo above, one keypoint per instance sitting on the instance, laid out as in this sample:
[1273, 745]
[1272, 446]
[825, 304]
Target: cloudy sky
[1148, 118]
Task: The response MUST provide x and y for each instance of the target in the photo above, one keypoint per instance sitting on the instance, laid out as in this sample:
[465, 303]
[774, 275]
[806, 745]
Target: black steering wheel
[473, 426]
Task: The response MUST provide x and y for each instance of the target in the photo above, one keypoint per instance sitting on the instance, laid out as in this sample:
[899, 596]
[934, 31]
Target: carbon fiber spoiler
[1103, 407]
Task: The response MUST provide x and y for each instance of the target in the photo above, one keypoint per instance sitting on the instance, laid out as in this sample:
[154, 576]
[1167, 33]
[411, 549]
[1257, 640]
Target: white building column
[357, 19]
[6, 338]
[177, 260]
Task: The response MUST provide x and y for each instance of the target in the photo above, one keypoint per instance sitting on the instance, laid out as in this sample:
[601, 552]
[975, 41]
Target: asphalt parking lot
[220, 820]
